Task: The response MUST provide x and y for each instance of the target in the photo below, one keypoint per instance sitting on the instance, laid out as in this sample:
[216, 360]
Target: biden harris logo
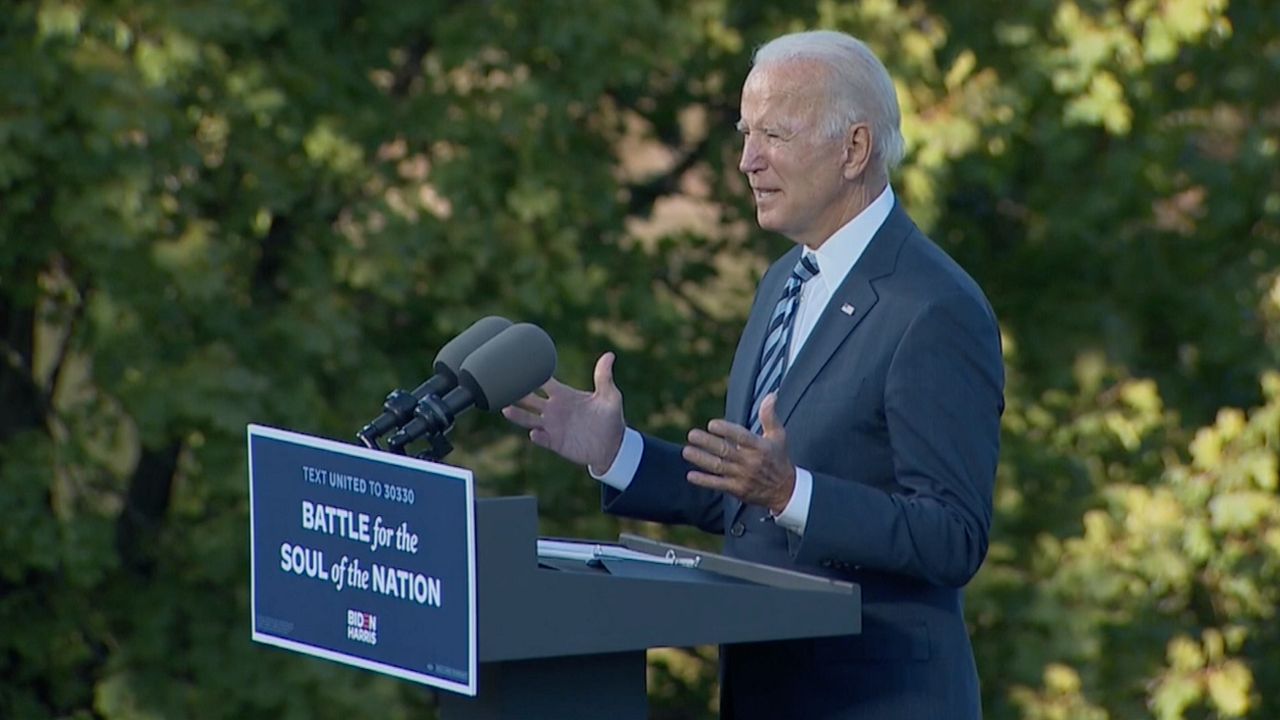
[362, 627]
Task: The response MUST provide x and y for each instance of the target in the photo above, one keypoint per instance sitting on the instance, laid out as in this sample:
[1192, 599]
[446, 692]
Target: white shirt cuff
[796, 514]
[625, 463]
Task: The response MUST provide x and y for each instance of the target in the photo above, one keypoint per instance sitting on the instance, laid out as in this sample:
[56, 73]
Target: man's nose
[752, 159]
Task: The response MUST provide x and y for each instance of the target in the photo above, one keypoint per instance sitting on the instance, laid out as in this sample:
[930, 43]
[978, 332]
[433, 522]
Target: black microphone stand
[402, 404]
[397, 410]
[437, 447]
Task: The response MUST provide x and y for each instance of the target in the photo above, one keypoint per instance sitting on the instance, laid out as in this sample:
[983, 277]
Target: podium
[567, 640]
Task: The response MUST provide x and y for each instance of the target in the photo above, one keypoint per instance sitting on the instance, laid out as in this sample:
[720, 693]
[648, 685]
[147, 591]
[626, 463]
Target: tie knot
[805, 269]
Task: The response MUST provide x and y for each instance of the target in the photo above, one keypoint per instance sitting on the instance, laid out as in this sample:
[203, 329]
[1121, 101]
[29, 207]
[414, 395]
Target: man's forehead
[792, 75]
[787, 87]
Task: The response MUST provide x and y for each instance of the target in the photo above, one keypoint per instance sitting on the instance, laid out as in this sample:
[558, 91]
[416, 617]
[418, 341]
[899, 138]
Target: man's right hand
[582, 427]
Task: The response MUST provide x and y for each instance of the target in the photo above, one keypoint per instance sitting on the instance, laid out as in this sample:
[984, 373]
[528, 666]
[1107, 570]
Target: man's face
[794, 167]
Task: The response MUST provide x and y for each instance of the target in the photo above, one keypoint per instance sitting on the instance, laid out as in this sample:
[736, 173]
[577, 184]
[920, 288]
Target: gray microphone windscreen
[450, 358]
[513, 364]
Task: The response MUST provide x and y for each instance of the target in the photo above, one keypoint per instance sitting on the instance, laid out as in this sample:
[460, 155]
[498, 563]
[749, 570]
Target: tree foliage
[213, 213]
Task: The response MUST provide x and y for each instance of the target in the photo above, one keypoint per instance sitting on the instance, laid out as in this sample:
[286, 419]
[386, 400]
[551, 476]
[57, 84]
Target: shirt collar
[836, 256]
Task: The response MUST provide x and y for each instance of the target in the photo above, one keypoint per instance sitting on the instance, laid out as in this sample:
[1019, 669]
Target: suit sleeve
[943, 398]
[661, 492]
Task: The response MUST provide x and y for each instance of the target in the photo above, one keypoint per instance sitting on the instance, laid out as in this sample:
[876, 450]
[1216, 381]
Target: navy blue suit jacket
[895, 409]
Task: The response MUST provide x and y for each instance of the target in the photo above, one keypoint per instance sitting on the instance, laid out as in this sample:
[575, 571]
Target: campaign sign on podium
[363, 557]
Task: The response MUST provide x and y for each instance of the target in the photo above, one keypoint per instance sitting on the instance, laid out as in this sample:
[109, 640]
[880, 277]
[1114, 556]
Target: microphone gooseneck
[517, 361]
[398, 408]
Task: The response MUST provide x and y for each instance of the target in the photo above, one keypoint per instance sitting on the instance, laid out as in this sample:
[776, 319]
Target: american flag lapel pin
[847, 309]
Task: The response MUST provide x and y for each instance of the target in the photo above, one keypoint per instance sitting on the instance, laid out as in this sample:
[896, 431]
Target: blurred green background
[221, 211]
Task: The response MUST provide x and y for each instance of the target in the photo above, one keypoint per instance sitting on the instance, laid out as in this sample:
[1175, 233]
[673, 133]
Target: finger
[713, 444]
[734, 433]
[713, 482]
[540, 437]
[604, 373]
[532, 402]
[769, 423]
[708, 461]
[522, 417]
[552, 386]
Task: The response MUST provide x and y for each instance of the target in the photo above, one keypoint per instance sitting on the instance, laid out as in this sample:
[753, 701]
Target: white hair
[860, 86]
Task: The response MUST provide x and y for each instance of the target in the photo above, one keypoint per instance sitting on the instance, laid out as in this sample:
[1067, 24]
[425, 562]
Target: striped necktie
[777, 343]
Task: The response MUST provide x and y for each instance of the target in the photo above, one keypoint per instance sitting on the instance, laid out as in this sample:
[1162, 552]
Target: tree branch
[24, 404]
[644, 195]
[147, 501]
[411, 68]
[265, 284]
[72, 320]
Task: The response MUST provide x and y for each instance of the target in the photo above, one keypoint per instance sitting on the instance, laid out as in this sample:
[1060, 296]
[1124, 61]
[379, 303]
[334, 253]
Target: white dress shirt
[835, 258]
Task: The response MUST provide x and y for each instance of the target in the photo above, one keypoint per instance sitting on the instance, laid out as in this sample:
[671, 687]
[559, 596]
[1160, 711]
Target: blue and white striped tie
[777, 342]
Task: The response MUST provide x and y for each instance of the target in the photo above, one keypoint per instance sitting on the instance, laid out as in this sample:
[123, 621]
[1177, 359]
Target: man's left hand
[753, 468]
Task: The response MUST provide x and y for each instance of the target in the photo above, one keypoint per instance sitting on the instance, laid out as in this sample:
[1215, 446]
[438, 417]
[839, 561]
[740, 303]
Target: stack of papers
[588, 551]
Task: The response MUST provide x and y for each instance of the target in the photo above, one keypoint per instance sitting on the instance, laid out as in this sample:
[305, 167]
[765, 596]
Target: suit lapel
[849, 305]
[833, 326]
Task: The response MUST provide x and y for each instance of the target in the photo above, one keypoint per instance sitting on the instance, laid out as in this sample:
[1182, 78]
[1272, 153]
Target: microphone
[399, 405]
[513, 364]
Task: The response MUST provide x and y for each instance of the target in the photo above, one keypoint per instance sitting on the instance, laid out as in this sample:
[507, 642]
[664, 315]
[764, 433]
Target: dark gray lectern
[563, 640]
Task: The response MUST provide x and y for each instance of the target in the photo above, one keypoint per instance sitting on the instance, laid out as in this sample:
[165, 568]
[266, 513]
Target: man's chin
[767, 220]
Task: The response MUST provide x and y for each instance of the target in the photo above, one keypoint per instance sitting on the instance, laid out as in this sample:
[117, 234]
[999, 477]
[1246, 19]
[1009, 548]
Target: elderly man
[861, 428]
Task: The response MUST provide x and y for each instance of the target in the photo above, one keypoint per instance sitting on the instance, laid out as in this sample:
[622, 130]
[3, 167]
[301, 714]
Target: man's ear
[857, 150]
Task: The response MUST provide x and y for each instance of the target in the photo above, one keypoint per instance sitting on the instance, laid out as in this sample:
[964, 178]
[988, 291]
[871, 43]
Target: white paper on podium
[586, 551]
